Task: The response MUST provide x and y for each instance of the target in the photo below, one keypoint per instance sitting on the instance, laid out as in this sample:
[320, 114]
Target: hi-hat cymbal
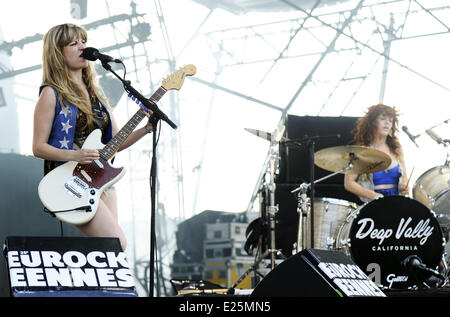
[364, 159]
[268, 136]
[262, 134]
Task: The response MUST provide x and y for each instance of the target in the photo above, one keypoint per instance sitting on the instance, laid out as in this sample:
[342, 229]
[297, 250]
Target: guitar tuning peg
[131, 97]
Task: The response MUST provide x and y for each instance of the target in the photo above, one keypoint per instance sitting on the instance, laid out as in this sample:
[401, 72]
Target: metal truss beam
[9, 46]
[238, 94]
[12, 73]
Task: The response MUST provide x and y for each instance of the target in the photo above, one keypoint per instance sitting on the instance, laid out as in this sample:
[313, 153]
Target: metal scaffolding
[387, 20]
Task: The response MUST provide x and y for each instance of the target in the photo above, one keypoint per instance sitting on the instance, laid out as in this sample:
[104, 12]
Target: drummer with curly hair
[377, 129]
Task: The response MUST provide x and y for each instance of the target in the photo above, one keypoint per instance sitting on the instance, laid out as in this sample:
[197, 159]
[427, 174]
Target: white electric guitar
[72, 190]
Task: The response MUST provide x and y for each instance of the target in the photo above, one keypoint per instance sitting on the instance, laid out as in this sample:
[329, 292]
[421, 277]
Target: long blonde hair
[56, 71]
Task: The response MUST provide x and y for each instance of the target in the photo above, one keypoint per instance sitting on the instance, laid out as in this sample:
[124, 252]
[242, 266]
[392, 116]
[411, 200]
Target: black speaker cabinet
[317, 273]
[327, 132]
[66, 267]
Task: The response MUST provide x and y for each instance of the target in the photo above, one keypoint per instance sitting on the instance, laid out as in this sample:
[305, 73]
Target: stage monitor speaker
[66, 267]
[317, 273]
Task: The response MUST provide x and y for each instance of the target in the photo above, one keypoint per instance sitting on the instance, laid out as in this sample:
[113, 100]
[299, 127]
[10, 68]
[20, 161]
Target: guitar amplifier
[66, 267]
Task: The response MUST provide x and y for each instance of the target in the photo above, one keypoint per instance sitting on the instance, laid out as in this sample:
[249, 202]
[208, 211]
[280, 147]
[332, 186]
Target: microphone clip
[410, 135]
[414, 265]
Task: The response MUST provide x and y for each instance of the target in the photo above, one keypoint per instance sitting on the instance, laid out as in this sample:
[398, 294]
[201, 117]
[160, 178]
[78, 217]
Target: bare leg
[105, 222]
[110, 199]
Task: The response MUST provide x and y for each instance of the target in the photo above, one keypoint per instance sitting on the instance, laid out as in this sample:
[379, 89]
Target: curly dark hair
[364, 131]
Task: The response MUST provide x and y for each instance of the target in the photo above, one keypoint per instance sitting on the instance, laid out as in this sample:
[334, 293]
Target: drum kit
[399, 241]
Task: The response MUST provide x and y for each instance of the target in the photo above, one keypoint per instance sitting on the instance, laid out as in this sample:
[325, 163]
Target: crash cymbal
[364, 159]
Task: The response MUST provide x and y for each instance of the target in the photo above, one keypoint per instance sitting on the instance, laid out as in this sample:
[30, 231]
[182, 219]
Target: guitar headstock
[176, 79]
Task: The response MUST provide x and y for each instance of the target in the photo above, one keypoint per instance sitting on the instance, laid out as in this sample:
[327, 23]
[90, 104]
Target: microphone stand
[157, 115]
[422, 273]
[311, 148]
[149, 104]
[153, 175]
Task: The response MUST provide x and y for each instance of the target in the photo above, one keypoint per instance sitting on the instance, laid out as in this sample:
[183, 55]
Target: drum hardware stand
[446, 144]
[445, 270]
[304, 206]
[254, 267]
[311, 144]
[271, 209]
[447, 158]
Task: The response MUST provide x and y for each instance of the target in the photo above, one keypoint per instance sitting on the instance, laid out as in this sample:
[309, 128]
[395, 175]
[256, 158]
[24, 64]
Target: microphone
[409, 134]
[434, 136]
[93, 54]
[414, 264]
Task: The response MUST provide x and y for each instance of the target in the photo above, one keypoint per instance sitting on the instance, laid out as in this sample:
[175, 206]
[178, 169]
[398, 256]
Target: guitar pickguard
[96, 174]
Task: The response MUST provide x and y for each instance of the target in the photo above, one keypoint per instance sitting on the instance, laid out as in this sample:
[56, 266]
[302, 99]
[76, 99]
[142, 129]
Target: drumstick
[410, 175]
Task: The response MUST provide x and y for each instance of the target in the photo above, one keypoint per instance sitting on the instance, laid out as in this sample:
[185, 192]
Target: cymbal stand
[271, 209]
[304, 205]
[447, 157]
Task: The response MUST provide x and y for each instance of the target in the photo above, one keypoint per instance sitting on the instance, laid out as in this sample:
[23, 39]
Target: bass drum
[381, 234]
[432, 189]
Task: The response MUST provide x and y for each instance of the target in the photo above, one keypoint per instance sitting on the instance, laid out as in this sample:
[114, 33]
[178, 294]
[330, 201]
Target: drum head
[388, 230]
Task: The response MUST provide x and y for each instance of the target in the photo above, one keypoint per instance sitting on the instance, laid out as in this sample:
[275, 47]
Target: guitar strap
[96, 110]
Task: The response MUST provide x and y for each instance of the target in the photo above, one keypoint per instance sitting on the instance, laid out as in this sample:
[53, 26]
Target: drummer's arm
[403, 186]
[351, 185]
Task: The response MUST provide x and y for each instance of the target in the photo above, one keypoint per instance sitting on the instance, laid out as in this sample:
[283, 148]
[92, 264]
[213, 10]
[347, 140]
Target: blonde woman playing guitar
[72, 124]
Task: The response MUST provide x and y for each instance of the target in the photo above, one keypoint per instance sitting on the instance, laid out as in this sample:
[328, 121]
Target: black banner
[68, 266]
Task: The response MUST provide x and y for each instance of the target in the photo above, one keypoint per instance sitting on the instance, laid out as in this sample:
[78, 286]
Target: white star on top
[66, 127]
[64, 143]
[64, 111]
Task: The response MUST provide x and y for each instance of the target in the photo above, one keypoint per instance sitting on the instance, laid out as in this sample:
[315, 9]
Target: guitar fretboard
[113, 145]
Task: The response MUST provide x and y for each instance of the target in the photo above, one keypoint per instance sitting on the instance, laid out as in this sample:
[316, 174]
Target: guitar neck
[114, 144]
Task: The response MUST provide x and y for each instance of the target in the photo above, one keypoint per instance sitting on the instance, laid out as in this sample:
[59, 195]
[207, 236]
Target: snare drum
[432, 189]
[329, 213]
[381, 234]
